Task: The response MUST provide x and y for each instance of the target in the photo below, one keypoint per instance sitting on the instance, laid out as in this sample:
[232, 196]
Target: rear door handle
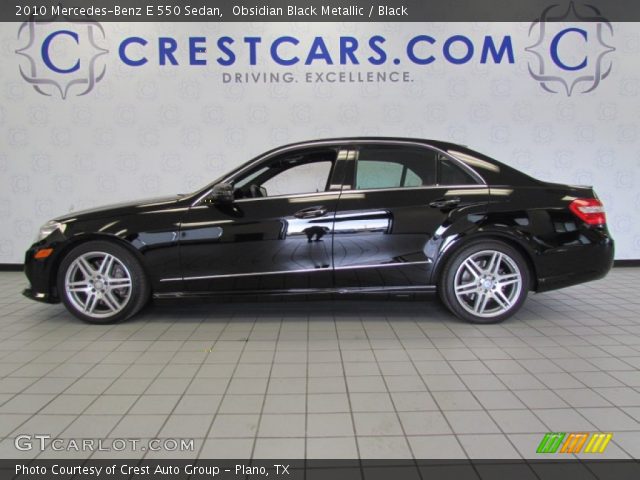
[311, 212]
[445, 202]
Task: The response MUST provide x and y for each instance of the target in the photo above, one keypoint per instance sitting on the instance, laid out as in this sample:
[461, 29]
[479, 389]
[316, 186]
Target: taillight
[589, 210]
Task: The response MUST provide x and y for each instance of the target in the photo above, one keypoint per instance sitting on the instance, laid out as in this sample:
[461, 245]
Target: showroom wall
[92, 116]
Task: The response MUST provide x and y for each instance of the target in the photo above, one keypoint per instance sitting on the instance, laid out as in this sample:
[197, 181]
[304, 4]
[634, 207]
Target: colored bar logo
[550, 442]
[560, 442]
[598, 443]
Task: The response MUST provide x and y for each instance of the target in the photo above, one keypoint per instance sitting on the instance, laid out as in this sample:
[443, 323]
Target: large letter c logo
[554, 49]
[45, 51]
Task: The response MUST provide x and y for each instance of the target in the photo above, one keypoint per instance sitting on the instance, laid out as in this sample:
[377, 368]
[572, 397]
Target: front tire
[485, 282]
[101, 282]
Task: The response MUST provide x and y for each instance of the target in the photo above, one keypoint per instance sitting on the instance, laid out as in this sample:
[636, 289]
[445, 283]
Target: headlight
[48, 228]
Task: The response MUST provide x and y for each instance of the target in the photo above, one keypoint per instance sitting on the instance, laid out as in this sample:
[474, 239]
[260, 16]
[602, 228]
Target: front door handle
[311, 212]
[445, 202]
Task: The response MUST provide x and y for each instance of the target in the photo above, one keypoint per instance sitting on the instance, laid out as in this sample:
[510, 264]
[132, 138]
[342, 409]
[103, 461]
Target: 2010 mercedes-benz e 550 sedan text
[347, 215]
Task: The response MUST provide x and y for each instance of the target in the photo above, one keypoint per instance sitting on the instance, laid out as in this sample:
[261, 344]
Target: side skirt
[303, 291]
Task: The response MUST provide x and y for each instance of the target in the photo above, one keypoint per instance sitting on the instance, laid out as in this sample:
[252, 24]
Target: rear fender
[514, 238]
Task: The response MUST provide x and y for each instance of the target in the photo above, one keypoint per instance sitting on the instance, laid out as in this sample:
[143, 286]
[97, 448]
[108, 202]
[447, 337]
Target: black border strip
[338, 11]
[541, 469]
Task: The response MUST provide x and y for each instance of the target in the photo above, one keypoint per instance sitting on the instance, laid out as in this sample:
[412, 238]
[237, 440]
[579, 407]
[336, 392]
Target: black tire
[136, 295]
[504, 300]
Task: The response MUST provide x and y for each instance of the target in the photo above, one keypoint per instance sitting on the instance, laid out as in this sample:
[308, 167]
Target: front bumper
[39, 296]
[41, 274]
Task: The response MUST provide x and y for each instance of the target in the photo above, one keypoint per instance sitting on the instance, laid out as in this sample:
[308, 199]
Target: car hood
[123, 208]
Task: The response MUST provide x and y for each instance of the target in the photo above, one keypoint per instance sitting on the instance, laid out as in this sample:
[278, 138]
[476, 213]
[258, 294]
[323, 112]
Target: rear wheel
[101, 282]
[485, 282]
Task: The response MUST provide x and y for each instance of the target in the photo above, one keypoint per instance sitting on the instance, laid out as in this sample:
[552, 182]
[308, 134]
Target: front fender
[152, 238]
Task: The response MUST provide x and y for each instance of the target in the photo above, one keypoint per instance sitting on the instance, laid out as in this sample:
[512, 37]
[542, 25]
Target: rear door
[397, 202]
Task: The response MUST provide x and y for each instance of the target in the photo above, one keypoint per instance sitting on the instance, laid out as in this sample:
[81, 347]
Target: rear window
[451, 174]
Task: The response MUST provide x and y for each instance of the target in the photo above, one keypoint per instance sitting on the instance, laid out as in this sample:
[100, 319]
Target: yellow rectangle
[598, 442]
[605, 442]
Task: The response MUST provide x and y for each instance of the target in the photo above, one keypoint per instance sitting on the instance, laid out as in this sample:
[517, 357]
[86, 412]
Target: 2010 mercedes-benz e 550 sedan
[364, 215]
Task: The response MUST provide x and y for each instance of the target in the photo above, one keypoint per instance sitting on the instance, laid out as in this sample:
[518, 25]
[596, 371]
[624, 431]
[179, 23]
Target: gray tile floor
[325, 379]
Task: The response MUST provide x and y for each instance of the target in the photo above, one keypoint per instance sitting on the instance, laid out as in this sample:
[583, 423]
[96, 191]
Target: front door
[389, 220]
[275, 236]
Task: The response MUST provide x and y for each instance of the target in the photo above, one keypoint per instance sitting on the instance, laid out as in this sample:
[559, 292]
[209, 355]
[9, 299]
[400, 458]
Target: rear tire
[485, 282]
[101, 282]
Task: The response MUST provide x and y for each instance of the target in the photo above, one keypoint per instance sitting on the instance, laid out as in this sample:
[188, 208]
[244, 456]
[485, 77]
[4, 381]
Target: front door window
[286, 175]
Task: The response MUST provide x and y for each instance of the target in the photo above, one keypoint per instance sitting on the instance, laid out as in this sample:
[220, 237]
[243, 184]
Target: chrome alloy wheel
[98, 284]
[488, 283]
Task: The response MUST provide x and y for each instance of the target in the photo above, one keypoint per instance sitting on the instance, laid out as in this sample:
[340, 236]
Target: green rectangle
[550, 442]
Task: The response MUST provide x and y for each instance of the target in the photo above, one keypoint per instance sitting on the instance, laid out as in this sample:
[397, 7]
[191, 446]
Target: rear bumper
[576, 265]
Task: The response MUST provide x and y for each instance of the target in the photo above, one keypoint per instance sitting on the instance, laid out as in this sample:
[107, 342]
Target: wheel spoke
[494, 263]
[111, 302]
[85, 267]
[508, 279]
[81, 286]
[481, 302]
[502, 300]
[117, 283]
[467, 288]
[105, 266]
[472, 267]
[90, 304]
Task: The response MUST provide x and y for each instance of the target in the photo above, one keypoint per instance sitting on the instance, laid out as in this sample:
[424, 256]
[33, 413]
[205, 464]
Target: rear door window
[382, 166]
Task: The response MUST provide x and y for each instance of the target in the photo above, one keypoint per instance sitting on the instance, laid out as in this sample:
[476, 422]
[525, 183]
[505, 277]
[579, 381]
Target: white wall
[151, 130]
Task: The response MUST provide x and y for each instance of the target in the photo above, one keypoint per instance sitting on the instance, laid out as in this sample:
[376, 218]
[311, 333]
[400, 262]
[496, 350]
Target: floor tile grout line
[264, 398]
[159, 376]
[226, 389]
[393, 403]
[348, 393]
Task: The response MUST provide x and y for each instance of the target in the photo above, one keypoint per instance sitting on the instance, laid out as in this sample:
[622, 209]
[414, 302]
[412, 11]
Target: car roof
[339, 140]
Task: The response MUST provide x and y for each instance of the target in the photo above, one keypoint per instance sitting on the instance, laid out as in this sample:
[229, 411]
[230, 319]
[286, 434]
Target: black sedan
[352, 215]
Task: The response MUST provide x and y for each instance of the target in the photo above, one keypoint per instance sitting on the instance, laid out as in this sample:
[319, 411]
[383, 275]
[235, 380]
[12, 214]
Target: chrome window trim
[337, 193]
[340, 144]
[303, 270]
[280, 197]
[294, 195]
[429, 187]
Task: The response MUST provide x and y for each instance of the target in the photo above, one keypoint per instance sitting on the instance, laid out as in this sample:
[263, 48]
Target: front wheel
[485, 282]
[101, 282]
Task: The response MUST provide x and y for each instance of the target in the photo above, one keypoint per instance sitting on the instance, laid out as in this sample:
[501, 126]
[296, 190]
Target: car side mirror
[222, 193]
